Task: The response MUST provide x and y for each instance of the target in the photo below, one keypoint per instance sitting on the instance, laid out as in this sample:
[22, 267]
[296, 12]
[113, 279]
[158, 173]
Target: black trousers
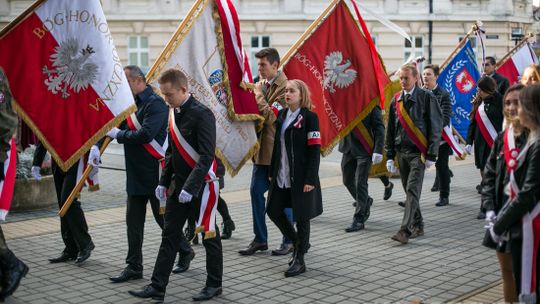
[275, 209]
[73, 224]
[515, 252]
[176, 215]
[135, 218]
[355, 171]
[411, 170]
[7, 257]
[443, 171]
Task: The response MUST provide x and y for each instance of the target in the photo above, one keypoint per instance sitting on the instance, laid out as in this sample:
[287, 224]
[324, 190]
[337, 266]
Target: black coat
[304, 159]
[443, 97]
[142, 169]
[502, 83]
[494, 110]
[375, 127]
[197, 125]
[526, 175]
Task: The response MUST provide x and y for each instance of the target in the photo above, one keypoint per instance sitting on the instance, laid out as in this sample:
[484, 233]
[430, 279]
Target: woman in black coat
[518, 221]
[294, 180]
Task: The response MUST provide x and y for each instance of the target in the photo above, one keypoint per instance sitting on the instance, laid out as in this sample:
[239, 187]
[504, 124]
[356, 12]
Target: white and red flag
[6, 185]
[66, 77]
[207, 48]
[343, 72]
[514, 63]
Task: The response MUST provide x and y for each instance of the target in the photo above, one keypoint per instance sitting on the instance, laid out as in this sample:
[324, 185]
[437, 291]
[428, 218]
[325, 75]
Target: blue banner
[459, 78]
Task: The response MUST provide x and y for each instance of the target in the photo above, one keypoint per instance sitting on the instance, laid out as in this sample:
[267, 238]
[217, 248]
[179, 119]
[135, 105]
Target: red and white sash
[6, 186]
[449, 138]
[484, 124]
[207, 213]
[153, 147]
[406, 122]
[530, 222]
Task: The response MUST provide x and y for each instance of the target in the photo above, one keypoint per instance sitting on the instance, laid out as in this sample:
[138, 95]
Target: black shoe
[148, 292]
[479, 188]
[401, 236]
[127, 274]
[85, 254]
[283, 249]
[388, 191]
[355, 226]
[227, 229]
[443, 201]
[64, 257]
[254, 247]
[297, 267]
[416, 232]
[207, 293]
[184, 262]
[481, 215]
[402, 204]
[12, 278]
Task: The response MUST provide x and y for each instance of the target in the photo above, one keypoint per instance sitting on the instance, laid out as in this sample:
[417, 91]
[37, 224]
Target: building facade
[141, 28]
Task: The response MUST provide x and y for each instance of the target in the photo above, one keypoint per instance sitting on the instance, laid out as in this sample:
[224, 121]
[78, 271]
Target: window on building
[138, 52]
[258, 43]
[418, 47]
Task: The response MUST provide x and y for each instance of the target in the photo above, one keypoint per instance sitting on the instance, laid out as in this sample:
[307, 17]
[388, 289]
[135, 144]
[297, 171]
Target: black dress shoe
[481, 215]
[85, 253]
[283, 249]
[127, 274]
[207, 293]
[12, 277]
[227, 228]
[64, 257]
[401, 204]
[254, 247]
[355, 226]
[443, 201]
[388, 191]
[297, 267]
[184, 262]
[148, 292]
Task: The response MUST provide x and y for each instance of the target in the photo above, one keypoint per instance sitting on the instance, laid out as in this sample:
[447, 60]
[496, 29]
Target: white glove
[496, 238]
[94, 157]
[113, 132]
[161, 193]
[390, 166]
[184, 197]
[491, 216]
[468, 149]
[35, 172]
[376, 158]
[429, 163]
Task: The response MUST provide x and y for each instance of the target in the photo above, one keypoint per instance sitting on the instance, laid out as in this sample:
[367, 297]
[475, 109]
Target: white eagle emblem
[69, 70]
[337, 73]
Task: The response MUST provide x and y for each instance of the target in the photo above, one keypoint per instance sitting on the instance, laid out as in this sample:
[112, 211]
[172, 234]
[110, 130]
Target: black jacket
[426, 115]
[142, 169]
[443, 97]
[526, 174]
[304, 160]
[197, 125]
[502, 82]
[375, 127]
[494, 110]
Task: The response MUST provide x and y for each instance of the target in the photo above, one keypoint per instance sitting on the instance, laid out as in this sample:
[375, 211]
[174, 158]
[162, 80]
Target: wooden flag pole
[513, 50]
[81, 181]
[20, 18]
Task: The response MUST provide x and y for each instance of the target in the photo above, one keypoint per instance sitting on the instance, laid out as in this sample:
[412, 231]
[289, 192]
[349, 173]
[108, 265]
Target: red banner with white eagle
[343, 72]
[66, 77]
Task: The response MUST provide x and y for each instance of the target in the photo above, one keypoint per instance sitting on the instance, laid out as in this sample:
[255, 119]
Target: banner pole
[77, 189]
[513, 50]
[20, 18]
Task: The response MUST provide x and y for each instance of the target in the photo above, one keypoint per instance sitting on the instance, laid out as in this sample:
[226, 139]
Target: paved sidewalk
[367, 266]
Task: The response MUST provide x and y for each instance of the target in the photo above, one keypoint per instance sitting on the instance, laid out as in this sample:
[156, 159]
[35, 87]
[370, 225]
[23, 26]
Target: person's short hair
[487, 84]
[175, 77]
[491, 60]
[305, 95]
[435, 68]
[135, 71]
[411, 67]
[271, 54]
[529, 100]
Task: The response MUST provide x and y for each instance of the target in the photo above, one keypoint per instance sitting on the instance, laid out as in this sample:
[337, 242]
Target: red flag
[515, 65]
[343, 73]
[6, 186]
[67, 80]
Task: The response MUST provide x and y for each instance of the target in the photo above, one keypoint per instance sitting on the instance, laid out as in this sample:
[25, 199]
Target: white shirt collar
[410, 92]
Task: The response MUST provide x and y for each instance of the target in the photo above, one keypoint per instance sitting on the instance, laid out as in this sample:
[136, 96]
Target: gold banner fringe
[209, 235]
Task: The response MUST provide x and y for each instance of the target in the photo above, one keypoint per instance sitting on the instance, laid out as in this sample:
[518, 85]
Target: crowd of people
[171, 163]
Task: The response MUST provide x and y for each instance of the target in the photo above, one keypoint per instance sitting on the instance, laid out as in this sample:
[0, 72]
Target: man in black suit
[196, 124]
[360, 150]
[146, 125]
[489, 69]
